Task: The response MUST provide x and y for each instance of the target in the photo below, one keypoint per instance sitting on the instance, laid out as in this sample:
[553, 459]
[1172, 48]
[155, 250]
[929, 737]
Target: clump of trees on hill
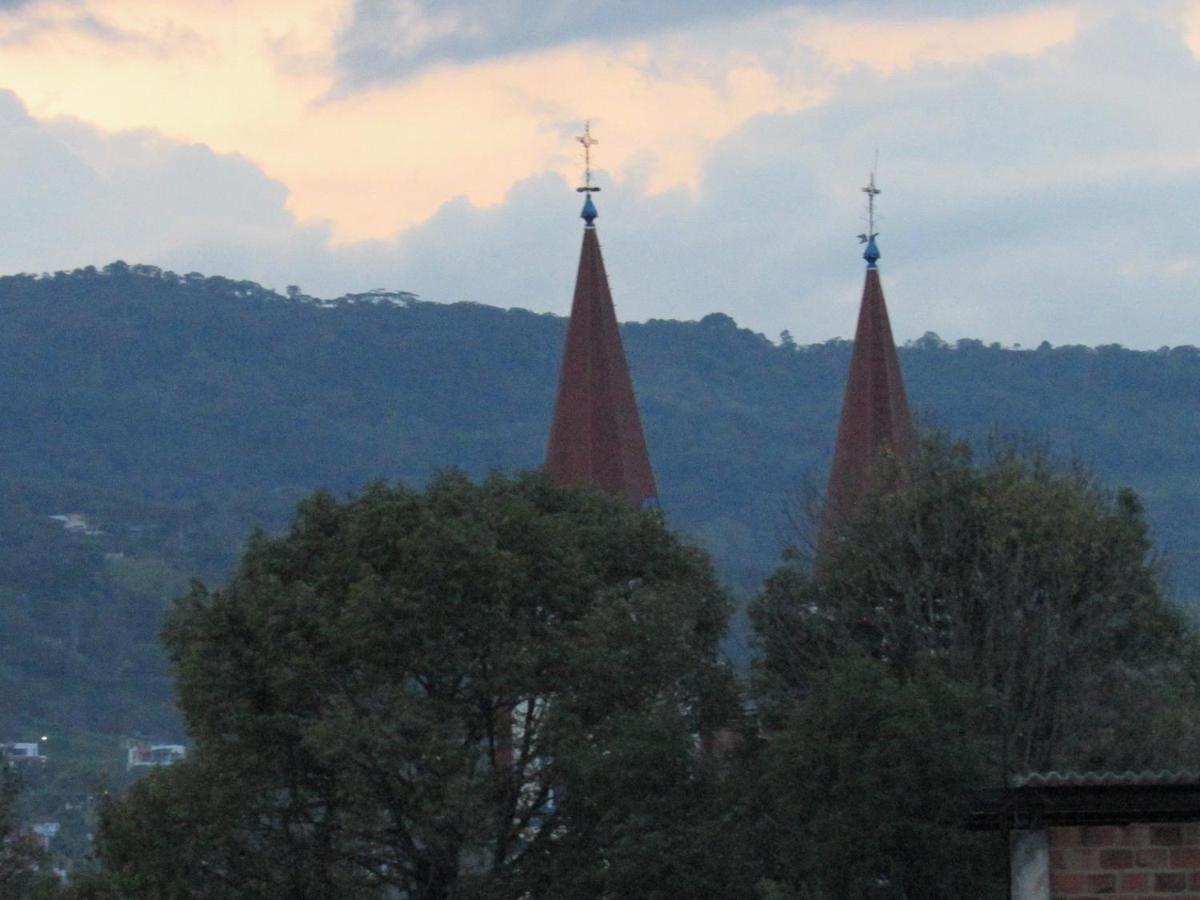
[502, 690]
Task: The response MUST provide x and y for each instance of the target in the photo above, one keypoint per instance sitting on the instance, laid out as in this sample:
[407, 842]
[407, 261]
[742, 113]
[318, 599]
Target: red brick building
[1099, 835]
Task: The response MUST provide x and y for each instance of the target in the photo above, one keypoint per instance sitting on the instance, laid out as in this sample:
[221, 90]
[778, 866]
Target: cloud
[256, 78]
[390, 39]
[24, 22]
[77, 196]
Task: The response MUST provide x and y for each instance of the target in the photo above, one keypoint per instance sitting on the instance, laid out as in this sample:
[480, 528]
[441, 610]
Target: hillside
[178, 412]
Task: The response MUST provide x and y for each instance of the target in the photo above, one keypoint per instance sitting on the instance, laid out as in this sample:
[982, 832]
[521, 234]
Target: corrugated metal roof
[1164, 777]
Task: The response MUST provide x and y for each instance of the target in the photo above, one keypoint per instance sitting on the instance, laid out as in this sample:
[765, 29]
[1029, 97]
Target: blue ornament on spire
[871, 253]
[589, 211]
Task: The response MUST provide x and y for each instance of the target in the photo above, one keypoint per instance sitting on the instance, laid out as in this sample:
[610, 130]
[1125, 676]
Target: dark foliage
[352, 692]
[24, 867]
[976, 617]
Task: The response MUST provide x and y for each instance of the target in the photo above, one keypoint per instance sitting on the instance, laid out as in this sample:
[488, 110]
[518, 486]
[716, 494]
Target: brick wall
[1129, 863]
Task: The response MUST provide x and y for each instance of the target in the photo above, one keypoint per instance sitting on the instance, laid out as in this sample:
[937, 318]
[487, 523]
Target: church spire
[875, 415]
[596, 437]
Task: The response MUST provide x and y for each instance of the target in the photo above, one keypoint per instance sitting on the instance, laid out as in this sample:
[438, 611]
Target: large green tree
[1014, 573]
[473, 690]
[970, 617]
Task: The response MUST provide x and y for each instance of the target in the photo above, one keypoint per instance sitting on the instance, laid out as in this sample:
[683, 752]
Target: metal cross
[588, 142]
[870, 190]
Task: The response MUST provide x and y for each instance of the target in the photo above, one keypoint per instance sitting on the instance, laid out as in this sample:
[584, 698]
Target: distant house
[23, 751]
[44, 832]
[76, 523]
[143, 754]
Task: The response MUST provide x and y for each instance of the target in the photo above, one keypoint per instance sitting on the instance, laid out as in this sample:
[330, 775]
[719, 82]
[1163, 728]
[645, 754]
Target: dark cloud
[36, 24]
[388, 39]
[391, 39]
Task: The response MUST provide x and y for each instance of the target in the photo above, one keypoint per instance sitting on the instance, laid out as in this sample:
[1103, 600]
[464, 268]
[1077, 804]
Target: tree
[476, 690]
[1015, 583]
[23, 865]
[1020, 576]
[864, 785]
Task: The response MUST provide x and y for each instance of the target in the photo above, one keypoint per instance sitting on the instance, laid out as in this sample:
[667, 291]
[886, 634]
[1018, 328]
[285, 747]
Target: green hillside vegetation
[177, 413]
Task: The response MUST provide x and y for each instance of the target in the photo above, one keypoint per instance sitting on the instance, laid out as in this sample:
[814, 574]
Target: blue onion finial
[589, 213]
[871, 253]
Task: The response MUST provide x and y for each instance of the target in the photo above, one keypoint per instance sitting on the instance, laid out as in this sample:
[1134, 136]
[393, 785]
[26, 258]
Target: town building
[23, 752]
[143, 754]
[1098, 834]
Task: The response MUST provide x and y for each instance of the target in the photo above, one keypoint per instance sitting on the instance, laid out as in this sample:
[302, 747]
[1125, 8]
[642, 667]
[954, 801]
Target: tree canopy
[1014, 573]
[977, 617]
[472, 690]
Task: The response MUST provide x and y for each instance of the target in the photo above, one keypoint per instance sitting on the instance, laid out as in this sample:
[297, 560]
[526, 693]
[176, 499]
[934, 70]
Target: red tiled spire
[597, 435]
[875, 416]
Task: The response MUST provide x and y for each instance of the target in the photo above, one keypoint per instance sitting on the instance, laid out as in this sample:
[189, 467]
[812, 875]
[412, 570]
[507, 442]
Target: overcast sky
[1040, 162]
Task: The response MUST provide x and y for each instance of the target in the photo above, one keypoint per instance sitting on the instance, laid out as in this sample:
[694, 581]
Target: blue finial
[871, 254]
[589, 211]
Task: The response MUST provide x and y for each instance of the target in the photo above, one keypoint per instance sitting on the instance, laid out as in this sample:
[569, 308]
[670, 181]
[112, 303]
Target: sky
[1039, 161]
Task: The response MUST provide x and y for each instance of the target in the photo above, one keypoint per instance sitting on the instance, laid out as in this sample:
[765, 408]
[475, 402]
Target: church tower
[596, 437]
[875, 417]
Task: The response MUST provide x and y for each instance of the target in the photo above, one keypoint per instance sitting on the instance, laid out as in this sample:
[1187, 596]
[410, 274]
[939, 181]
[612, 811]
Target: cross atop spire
[588, 143]
[871, 253]
[589, 213]
[871, 191]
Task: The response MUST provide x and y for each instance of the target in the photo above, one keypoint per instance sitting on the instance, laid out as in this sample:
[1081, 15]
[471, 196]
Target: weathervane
[588, 142]
[871, 253]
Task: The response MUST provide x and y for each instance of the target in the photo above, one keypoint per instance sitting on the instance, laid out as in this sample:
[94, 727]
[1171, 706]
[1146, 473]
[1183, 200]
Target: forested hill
[177, 412]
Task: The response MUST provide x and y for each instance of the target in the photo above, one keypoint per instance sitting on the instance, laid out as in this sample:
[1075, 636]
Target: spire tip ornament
[871, 253]
[589, 213]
